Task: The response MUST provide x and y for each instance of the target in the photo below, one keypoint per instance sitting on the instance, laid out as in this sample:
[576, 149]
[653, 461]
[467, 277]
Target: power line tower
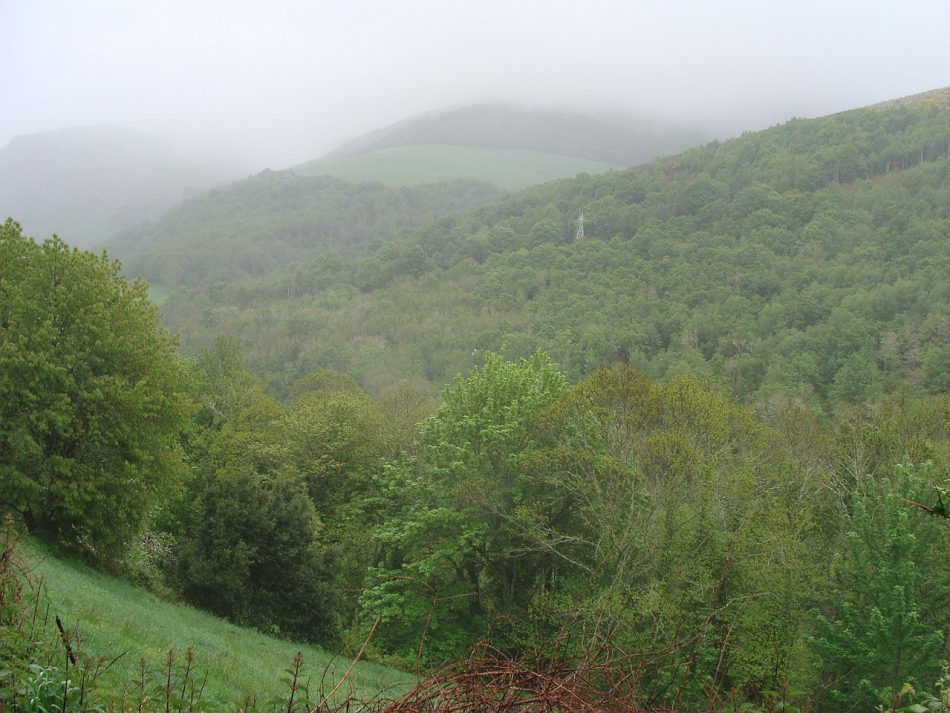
[580, 227]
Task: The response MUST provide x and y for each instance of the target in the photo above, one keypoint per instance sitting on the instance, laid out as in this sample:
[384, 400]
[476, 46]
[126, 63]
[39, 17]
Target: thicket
[728, 560]
[651, 530]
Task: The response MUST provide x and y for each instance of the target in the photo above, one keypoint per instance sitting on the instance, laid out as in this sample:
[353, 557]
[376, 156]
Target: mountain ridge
[618, 140]
[933, 97]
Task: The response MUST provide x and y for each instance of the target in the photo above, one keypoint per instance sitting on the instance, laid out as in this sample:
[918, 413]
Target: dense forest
[808, 259]
[276, 219]
[700, 447]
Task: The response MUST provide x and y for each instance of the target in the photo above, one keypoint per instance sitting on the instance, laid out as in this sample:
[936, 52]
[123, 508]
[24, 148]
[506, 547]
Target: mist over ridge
[87, 183]
[277, 84]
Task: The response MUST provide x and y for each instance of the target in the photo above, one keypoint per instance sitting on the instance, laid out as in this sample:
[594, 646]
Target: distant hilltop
[510, 147]
[618, 140]
[934, 97]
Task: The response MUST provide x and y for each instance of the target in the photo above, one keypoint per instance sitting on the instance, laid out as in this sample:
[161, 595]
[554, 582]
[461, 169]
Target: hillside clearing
[415, 165]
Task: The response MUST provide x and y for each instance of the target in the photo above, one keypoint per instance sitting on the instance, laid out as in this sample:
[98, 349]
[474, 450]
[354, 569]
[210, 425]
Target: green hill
[510, 147]
[414, 165]
[114, 618]
[88, 183]
[934, 98]
[685, 551]
[811, 259]
[617, 140]
[277, 218]
[410, 173]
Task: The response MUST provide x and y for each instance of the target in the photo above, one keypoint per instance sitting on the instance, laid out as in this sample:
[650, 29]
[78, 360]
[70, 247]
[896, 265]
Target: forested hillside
[276, 219]
[809, 259]
[691, 452]
[432, 166]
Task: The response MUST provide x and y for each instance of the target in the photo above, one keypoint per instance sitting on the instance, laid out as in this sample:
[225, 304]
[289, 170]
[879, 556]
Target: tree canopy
[809, 260]
[91, 395]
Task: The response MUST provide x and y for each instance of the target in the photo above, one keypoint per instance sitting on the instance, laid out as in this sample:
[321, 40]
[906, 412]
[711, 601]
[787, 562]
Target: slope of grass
[625, 140]
[158, 293]
[113, 618]
[416, 165]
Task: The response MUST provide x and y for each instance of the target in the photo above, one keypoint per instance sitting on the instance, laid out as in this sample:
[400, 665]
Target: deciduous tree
[91, 395]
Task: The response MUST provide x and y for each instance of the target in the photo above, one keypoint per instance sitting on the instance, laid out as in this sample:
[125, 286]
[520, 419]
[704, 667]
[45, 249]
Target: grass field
[414, 165]
[115, 618]
[158, 293]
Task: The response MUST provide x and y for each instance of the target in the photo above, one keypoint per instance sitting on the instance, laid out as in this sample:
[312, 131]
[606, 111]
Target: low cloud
[283, 81]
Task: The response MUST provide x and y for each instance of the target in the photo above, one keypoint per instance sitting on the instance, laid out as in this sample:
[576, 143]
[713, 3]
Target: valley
[501, 413]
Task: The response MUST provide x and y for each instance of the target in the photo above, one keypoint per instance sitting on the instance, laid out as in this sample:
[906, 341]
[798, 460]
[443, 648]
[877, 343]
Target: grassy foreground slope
[415, 165]
[115, 618]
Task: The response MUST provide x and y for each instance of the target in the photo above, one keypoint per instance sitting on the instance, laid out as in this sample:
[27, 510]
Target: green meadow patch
[415, 165]
[114, 618]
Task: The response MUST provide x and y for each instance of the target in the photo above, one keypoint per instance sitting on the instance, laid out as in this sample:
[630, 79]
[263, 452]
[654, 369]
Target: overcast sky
[283, 81]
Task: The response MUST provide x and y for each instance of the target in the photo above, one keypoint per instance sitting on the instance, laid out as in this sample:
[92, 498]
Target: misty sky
[283, 81]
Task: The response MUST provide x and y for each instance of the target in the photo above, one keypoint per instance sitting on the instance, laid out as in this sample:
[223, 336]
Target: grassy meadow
[114, 617]
[415, 165]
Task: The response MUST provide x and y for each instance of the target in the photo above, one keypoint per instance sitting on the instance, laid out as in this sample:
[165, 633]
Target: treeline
[809, 154]
[809, 259]
[277, 218]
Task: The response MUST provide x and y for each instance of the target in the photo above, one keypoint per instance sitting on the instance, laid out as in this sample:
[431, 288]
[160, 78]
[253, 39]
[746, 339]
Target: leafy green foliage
[91, 395]
[448, 562]
[254, 555]
[888, 625]
[280, 506]
[688, 534]
[658, 516]
[248, 536]
[221, 385]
